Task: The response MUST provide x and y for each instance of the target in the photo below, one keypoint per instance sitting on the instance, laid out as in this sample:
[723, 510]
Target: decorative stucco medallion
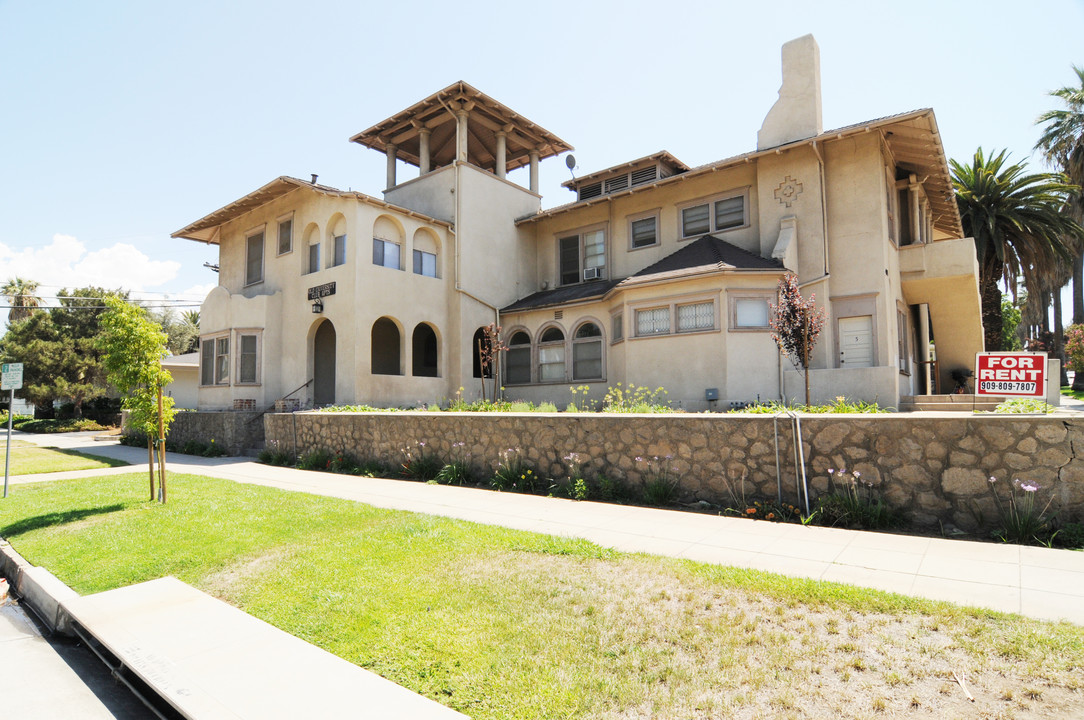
[788, 191]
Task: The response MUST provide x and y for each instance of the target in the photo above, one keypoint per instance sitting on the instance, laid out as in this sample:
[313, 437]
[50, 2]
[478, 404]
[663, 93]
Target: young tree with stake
[796, 324]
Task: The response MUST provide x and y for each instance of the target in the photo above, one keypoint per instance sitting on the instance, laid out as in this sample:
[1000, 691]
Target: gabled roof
[206, 228]
[707, 254]
[486, 117]
[912, 138]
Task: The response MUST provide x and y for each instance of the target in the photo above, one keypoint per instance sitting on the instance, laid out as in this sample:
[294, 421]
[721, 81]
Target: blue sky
[123, 122]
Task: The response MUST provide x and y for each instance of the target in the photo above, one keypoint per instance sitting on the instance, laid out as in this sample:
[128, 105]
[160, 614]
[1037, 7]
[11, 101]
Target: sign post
[1010, 374]
[11, 378]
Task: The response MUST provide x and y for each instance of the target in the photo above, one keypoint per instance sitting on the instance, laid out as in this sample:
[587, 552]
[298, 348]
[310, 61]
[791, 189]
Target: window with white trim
[247, 359]
[286, 235]
[517, 359]
[587, 352]
[653, 321]
[338, 256]
[215, 361]
[582, 257]
[715, 215]
[551, 356]
[386, 254]
[254, 258]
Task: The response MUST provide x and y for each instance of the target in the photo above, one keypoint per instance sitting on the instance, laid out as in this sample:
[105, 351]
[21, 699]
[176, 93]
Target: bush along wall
[931, 472]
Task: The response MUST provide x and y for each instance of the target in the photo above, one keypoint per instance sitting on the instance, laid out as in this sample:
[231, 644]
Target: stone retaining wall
[237, 432]
[935, 469]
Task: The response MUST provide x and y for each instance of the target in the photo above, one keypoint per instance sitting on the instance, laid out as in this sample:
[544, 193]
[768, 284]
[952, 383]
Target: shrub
[514, 474]
[276, 455]
[314, 460]
[458, 470]
[370, 468]
[342, 463]
[419, 464]
[1024, 405]
[1022, 520]
[635, 399]
[1070, 535]
[660, 487]
[840, 405]
[854, 502]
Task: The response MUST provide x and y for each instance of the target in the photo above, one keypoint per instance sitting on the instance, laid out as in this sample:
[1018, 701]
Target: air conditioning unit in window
[592, 274]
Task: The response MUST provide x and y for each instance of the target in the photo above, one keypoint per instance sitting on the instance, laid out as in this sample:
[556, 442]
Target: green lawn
[30, 459]
[505, 624]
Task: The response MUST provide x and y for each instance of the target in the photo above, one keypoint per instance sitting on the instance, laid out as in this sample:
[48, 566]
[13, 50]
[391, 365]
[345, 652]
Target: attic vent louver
[590, 191]
[558, 314]
[615, 184]
[644, 175]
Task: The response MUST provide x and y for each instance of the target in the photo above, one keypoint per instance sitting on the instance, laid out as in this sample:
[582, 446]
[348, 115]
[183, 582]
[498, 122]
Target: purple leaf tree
[796, 324]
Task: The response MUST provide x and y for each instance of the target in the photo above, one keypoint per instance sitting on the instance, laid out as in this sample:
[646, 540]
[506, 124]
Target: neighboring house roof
[486, 118]
[181, 361]
[707, 254]
[912, 138]
[206, 228]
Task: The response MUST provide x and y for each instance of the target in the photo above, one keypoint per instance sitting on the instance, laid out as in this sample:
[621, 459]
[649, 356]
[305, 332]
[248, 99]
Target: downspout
[824, 204]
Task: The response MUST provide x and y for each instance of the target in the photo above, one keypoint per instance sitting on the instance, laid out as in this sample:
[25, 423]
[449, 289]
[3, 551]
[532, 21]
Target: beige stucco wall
[185, 387]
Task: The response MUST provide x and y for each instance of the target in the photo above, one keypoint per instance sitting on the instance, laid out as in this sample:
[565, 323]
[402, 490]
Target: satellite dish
[570, 162]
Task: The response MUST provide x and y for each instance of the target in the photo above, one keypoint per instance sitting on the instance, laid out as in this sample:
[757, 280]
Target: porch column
[924, 345]
[423, 151]
[461, 135]
[534, 171]
[391, 148]
[502, 153]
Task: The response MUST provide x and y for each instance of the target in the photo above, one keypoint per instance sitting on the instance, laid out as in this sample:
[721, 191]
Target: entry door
[323, 365]
[856, 341]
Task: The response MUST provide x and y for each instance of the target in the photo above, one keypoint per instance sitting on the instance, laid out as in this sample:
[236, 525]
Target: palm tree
[21, 295]
[1018, 227]
[1062, 143]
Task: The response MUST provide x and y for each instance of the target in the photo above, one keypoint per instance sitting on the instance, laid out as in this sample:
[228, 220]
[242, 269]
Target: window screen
[643, 232]
[254, 259]
[570, 260]
[247, 372]
[751, 312]
[695, 221]
[340, 251]
[286, 236]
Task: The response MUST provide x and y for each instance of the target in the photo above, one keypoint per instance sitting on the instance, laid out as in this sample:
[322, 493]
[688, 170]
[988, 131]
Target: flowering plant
[1022, 520]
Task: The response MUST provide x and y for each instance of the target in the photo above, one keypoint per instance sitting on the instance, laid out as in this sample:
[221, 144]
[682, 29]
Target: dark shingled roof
[704, 255]
[562, 295]
[707, 254]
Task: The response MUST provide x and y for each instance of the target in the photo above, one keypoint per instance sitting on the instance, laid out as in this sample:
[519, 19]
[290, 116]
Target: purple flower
[639, 459]
[1029, 487]
[831, 471]
[857, 474]
[993, 479]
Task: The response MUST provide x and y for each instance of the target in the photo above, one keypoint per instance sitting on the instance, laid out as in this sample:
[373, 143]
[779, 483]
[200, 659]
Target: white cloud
[65, 262]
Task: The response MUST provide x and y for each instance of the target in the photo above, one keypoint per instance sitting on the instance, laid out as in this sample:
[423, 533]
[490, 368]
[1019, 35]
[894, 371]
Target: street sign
[1011, 374]
[11, 376]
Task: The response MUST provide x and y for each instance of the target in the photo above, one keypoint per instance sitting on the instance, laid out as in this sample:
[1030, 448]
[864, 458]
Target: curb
[38, 588]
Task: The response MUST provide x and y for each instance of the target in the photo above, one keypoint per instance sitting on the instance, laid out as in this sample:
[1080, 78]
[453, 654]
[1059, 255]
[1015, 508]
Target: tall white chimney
[796, 115]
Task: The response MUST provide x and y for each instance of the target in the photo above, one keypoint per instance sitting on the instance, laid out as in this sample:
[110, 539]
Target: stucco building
[657, 274]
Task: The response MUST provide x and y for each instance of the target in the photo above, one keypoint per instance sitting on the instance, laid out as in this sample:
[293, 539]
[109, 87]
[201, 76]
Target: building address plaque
[321, 291]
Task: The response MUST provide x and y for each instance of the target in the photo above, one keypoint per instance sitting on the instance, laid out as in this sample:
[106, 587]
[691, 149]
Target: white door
[856, 341]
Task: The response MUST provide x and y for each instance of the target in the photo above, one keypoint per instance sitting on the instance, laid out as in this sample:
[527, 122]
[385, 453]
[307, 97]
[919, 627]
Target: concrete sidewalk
[1035, 582]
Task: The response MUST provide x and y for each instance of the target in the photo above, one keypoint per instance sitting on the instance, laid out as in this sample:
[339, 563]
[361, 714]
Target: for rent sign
[1011, 374]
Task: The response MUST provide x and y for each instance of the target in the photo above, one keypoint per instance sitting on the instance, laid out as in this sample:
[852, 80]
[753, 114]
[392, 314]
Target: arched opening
[517, 359]
[323, 365]
[385, 348]
[587, 352]
[551, 355]
[424, 353]
[479, 345]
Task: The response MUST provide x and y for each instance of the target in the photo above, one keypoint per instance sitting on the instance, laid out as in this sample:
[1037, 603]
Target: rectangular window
[587, 359]
[386, 254]
[339, 257]
[618, 330]
[551, 363]
[901, 335]
[655, 321]
[715, 215]
[425, 263]
[246, 372]
[314, 257]
[570, 260]
[207, 363]
[254, 259]
[751, 312]
[699, 316]
[286, 236]
[517, 362]
[582, 257]
[644, 232]
[222, 361]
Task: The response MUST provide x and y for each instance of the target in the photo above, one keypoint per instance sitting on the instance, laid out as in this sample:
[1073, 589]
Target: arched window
[479, 345]
[385, 348]
[551, 356]
[424, 352]
[587, 352]
[517, 359]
